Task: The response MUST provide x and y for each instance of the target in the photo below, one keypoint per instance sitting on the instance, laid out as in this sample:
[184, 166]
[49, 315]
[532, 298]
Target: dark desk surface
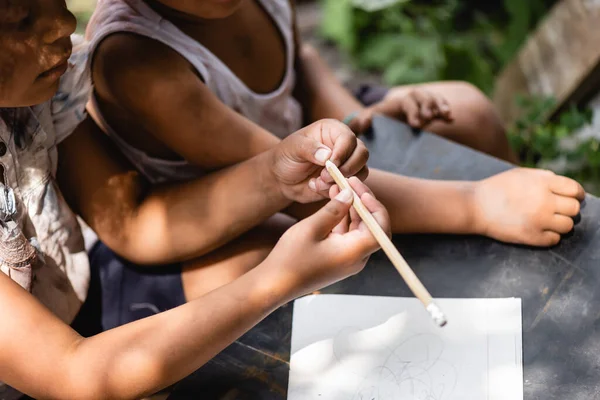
[561, 301]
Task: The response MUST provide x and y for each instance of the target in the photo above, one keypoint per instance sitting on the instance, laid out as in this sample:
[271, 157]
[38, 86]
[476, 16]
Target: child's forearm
[193, 219]
[425, 206]
[134, 360]
[417, 205]
[137, 360]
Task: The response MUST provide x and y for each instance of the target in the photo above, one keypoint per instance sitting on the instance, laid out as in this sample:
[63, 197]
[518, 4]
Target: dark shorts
[122, 292]
[370, 94]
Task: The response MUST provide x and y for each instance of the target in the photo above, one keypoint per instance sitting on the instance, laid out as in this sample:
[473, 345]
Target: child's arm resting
[151, 225]
[44, 358]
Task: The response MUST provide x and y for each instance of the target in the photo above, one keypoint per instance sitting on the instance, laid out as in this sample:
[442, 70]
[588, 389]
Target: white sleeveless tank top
[278, 111]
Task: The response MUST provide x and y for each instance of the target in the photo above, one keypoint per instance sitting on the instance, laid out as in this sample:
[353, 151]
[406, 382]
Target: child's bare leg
[231, 261]
[476, 123]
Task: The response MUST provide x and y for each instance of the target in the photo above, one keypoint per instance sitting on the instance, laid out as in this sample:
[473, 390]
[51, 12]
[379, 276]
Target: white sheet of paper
[386, 348]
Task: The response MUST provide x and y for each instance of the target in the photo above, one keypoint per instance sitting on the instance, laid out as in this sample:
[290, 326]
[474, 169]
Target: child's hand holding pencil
[326, 247]
[383, 238]
[297, 162]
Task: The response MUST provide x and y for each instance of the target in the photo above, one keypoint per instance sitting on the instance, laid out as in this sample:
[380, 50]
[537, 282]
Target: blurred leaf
[337, 25]
[401, 72]
[375, 5]
[464, 63]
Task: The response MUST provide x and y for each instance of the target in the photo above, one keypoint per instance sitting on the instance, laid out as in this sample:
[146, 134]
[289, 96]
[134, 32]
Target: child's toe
[567, 187]
[568, 206]
[562, 224]
[549, 238]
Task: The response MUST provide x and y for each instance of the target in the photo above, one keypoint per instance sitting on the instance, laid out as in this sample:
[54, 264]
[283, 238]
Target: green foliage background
[551, 144]
[415, 41]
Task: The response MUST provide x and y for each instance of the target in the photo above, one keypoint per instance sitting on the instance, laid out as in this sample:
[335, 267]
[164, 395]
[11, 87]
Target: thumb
[302, 148]
[329, 216]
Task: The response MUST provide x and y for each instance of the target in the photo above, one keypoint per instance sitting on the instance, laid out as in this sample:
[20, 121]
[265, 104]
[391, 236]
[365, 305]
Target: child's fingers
[322, 223]
[334, 191]
[364, 242]
[363, 174]
[342, 227]
[360, 189]
[373, 205]
[444, 108]
[358, 186]
[319, 186]
[411, 109]
[344, 144]
[432, 106]
[305, 148]
[357, 161]
[378, 211]
[355, 219]
[353, 165]
[427, 104]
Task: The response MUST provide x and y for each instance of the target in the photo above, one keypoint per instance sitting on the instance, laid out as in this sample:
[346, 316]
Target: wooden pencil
[390, 250]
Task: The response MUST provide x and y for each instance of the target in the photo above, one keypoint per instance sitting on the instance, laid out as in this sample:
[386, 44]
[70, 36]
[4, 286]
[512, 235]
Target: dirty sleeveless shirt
[41, 242]
[278, 112]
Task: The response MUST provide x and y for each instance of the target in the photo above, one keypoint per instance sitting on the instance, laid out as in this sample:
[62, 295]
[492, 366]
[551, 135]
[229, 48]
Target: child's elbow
[149, 234]
[144, 248]
[151, 241]
[129, 239]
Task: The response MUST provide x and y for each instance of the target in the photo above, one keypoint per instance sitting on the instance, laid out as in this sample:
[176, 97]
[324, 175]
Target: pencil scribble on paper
[413, 368]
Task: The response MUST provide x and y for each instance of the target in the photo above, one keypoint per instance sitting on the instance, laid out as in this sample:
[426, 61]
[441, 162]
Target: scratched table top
[559, 288]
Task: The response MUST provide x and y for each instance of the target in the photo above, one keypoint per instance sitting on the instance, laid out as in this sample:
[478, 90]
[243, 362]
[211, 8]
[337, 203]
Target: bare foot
[527, 206]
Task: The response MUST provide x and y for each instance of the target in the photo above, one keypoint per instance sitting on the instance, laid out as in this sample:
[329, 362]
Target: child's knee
[482, 114]
[482, 106]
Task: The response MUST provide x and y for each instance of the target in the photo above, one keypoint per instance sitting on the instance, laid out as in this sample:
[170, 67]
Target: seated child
[47, 144]
[186, 88]
[208, 35]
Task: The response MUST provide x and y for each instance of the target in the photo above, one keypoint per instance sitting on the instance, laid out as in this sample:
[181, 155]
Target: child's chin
[43, 95]
[36, 98]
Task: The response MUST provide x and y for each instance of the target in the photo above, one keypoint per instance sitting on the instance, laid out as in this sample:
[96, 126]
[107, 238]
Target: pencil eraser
[437, 315]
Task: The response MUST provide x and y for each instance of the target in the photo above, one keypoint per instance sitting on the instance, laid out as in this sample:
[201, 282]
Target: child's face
[205, 9]
[35, 46]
